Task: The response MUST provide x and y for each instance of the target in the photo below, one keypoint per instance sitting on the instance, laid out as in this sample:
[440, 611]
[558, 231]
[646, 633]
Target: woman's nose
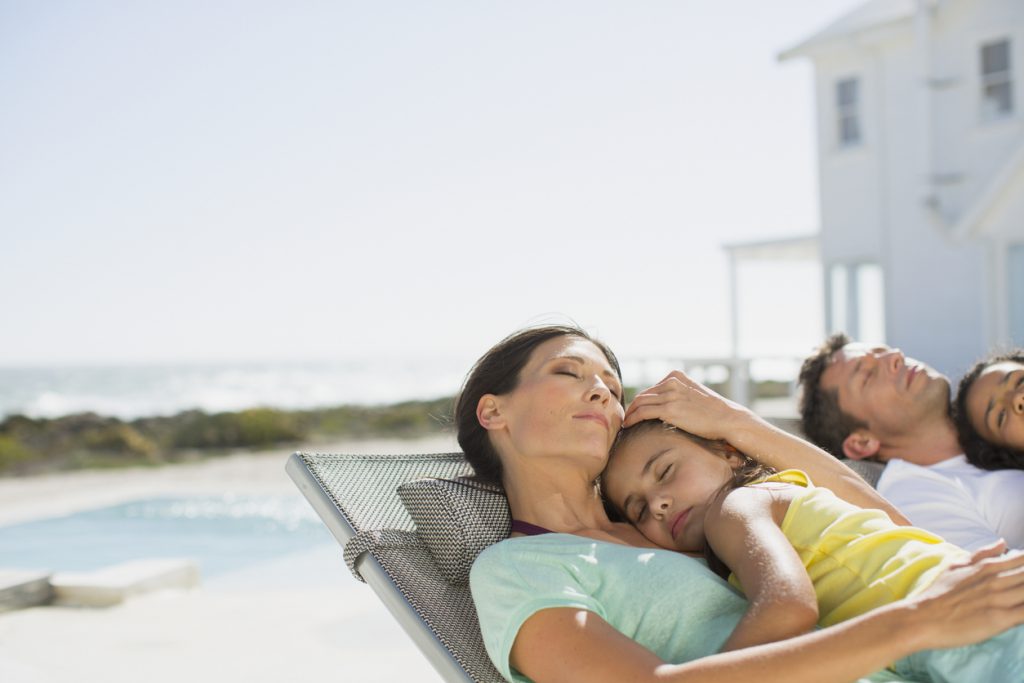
[600, 392]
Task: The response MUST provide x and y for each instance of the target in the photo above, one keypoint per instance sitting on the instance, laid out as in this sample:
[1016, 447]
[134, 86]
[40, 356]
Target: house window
[857, 301]
[996, 80]
[847, 112]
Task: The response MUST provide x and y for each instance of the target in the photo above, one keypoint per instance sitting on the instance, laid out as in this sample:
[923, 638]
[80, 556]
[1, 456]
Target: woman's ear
[861, 444]
[488, 412]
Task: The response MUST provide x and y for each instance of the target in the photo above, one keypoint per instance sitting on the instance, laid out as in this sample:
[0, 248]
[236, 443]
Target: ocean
[131, 391]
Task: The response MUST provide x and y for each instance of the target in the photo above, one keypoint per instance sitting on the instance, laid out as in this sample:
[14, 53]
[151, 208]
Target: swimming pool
[223, 533]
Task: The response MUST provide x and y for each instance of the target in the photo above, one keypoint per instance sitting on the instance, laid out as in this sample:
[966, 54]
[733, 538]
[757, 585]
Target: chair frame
[368, 568]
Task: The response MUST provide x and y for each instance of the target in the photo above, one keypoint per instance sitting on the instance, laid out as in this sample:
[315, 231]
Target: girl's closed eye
[640, 513]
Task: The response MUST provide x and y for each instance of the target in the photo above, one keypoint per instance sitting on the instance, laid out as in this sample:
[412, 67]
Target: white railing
[734, 372]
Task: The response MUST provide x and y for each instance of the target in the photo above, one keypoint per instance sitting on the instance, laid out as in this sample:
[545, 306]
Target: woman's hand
[974, 600]
[688, 405]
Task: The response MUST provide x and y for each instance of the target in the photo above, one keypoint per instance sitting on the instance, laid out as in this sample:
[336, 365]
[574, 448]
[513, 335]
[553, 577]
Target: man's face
[891, 393]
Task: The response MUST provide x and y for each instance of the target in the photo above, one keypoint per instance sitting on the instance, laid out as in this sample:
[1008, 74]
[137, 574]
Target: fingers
[992, 550]
[983, 564]
[639, 413]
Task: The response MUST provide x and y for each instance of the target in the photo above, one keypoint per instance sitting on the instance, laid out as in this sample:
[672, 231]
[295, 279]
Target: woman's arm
[742, 531]
[690, 405]
[968, 604]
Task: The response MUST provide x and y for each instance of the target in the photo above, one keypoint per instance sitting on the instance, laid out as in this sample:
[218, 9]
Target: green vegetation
[29, 446]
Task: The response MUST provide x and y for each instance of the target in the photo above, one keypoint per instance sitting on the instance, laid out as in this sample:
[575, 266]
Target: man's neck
[929, 443]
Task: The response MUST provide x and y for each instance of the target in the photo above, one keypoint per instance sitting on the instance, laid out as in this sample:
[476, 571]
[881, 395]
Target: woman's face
[568, 403]
[995, 404]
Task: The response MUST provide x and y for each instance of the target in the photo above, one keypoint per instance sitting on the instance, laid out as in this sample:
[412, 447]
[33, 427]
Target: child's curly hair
[982, 453]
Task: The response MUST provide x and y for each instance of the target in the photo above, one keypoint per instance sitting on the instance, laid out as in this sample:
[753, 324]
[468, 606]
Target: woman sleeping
[574, 595]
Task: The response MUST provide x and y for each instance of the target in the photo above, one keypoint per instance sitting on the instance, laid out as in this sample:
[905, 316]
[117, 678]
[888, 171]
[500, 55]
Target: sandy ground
[301, 618]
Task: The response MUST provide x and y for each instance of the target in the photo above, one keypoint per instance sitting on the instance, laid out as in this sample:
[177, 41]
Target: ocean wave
[130, 392]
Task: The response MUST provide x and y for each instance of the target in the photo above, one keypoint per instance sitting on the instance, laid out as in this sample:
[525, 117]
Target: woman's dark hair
[748, 471]
[497, 372]
[982, 453]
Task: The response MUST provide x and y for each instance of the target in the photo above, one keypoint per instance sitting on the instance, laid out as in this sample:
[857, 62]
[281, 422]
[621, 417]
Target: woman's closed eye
[664, 473]
[613, 390]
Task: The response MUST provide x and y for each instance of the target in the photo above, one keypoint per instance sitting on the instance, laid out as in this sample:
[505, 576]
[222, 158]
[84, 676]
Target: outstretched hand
[977, 598]
[689, 405]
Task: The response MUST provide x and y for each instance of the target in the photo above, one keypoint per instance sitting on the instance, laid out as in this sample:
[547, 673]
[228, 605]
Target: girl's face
[995, 404]
[568, 403]
[664, 483]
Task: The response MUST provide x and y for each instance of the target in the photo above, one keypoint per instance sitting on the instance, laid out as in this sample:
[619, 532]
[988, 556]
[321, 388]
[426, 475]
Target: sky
[244, 181]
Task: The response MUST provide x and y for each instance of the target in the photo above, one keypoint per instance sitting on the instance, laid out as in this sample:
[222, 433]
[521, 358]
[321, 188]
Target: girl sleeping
[800, 554]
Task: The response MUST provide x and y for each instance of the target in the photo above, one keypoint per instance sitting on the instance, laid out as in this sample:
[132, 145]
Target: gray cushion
[457, 519]
[868, 470]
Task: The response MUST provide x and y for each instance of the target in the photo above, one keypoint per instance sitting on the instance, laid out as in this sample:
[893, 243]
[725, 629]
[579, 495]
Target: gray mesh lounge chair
[411, 526]
[868, 470]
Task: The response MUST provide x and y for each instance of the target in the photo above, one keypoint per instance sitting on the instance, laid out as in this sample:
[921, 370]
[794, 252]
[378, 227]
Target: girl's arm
[967, 605]
[743, 534]
[690, 405]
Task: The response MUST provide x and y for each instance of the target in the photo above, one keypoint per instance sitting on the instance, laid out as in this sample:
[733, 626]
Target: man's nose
[893, 359]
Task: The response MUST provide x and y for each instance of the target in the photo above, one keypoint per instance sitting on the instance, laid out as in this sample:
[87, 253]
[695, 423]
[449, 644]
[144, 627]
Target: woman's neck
[565, 501]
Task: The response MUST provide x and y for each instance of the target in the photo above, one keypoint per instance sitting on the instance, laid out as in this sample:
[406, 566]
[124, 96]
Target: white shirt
[968, 506]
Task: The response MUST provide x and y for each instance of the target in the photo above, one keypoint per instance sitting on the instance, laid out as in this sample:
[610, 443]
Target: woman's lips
[596, 417]
[677, 524]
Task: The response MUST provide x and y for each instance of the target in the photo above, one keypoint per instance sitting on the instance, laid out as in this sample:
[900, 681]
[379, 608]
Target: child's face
[995, 404]
[664, 483]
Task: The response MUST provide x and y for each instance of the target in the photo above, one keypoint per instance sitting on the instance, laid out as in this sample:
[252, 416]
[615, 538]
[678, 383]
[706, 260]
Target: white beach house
[920, 110]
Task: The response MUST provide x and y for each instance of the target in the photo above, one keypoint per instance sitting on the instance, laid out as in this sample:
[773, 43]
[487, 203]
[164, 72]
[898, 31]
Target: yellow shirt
[857, 559]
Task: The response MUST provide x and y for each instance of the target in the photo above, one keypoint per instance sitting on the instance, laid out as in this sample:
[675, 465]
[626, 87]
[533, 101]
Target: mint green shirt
[670, 603]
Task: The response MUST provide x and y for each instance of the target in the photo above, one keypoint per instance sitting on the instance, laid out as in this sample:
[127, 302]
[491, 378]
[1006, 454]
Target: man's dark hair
[823, 422]
[982, 453]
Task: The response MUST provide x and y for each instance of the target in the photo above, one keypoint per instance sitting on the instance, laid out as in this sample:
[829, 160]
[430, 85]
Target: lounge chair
[869, 471]
[411, 526]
